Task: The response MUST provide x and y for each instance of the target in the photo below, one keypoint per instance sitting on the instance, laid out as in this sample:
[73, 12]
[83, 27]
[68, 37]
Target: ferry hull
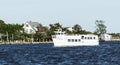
[63, 43]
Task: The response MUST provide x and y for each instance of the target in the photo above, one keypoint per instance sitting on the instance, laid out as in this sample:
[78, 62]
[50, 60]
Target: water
[108, 53]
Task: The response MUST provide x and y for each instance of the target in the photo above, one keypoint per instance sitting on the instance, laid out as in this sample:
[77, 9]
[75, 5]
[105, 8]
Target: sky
[66, 12]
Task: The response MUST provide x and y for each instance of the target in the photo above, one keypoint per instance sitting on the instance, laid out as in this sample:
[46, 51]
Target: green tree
[77, 29]
[42, 28]
[2, 26]
[10, 30]
[53, 27]
[2, 22]
[67, 31]
[100, 27]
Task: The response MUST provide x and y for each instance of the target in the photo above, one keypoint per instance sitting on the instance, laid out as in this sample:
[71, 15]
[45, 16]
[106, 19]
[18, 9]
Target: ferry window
[58, 33]
[60, 30]
[82, 37]
[85, 37]
[54, 36]
[75, 40]
[69, 40]
[55, 33]
[72, 40]
[94, 37]
[79, 40]
[90, 37]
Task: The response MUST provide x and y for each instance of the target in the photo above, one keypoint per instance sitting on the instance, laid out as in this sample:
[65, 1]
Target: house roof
[33, 24]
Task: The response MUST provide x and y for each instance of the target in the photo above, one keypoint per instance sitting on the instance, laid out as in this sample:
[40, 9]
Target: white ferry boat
[60, 39]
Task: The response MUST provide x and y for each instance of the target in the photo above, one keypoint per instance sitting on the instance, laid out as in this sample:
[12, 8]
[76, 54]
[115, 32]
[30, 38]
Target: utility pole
[7, 36]
[12, 38]
[32, 38]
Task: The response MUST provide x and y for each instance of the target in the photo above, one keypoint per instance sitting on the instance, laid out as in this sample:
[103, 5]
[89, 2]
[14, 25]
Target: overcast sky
[66, 12]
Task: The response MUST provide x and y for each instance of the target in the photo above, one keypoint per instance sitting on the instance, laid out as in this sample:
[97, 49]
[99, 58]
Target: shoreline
[47, 42]
[50, 42]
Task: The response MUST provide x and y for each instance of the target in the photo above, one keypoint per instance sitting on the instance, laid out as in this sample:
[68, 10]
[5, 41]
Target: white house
[70, 28]
[30, 27]
[105, 37]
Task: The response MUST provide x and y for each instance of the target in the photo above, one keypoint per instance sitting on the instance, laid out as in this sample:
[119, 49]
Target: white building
[105, 37]
[70, 28]
[30, 27]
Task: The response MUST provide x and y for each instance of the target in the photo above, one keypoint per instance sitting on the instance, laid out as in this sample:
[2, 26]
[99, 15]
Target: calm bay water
[108, 53]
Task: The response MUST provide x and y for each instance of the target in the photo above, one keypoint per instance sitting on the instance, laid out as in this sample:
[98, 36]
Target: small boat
[61, 39]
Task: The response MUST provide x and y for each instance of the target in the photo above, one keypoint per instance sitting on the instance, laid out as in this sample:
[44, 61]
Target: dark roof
[33, 24]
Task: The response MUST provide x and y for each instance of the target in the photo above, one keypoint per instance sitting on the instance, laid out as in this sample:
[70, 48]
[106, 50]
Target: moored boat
[61, 39]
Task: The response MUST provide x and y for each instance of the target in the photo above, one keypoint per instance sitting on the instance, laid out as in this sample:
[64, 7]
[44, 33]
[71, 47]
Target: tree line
[16, 31]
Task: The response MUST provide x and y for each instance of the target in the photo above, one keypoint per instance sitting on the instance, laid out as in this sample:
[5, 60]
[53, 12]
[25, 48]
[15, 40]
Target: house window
[31, 31]
[26, 30]
[26, 25]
